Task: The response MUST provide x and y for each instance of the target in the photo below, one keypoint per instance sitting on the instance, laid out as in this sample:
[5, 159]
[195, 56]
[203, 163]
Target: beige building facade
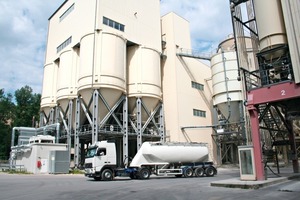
[186, 86]
[112, 69]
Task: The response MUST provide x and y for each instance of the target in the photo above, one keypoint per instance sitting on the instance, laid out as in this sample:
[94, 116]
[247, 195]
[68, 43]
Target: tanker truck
[178, 159]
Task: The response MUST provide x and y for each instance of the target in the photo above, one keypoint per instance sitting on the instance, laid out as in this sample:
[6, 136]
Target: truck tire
[188, 172]
[97, 178]
[132, 176]
[107, 175]
[144, 173]
[199, 171]
[210, 171]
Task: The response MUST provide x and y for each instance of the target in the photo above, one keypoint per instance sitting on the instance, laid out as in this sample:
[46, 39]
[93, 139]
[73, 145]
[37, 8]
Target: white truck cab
[100, 156]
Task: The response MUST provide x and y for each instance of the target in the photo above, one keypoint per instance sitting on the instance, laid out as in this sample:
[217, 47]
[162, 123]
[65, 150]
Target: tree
[27, 108]
[24, 112]
[6, 117]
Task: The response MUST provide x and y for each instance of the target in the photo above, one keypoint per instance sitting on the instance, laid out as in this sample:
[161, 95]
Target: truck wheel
[132, 176]
[97, 178]
[188, 172]
[199, 171]
[144, 173]
[107, 175]
[210, 171]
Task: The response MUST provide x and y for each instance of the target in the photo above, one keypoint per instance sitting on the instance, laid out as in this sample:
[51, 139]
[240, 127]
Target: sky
[24, 25]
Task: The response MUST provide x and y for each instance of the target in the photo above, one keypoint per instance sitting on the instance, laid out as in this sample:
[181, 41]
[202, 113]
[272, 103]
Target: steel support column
[70, 123]
[125, 131]
[76, 132]
[258, 161]
[161, 124]
[139, 123]
[294, 156]
[95, 116]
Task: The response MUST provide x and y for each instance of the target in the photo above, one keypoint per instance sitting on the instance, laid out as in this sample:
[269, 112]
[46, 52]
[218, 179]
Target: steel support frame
[257, 148]
[96, 124]
[274, 93]
[76, 133]
[125, 131]
[140, 128]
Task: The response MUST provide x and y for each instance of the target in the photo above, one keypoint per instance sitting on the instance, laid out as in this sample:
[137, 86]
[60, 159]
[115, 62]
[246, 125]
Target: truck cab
[100, 160]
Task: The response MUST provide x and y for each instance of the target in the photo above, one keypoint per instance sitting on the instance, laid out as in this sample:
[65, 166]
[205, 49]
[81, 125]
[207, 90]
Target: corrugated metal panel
[291, 13]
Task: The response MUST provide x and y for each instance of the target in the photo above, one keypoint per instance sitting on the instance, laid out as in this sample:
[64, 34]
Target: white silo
[102, 66]
[144, 78]
[227, 90]
[66, 78]
[48, 99]
[270, 25]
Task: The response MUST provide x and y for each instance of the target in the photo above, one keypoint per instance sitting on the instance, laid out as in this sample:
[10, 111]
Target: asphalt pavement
[78, 187]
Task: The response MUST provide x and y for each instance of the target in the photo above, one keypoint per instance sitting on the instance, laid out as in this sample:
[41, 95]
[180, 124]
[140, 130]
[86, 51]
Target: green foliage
[23, 112]
[6, 117]
[27, 108]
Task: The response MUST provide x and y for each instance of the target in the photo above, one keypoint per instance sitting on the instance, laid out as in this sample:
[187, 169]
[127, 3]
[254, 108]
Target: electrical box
[59, 162]
[247, 165]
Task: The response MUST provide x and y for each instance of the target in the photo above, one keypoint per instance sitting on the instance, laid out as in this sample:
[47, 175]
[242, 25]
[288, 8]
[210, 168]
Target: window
[113, 24]
[67, 12]
[199, 113]
[198, 86]
[64, 44]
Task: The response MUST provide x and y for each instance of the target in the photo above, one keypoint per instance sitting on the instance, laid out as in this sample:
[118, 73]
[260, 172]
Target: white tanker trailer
[179, 159]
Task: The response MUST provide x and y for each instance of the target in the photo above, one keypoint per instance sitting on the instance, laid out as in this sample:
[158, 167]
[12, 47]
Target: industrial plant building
[117, 70]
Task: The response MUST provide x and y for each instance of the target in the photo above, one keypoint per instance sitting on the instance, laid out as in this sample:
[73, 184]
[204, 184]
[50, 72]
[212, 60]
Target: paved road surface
[77, 187]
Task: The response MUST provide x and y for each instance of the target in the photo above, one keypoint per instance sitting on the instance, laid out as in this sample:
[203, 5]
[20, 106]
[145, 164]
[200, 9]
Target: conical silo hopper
[227, 90]
[48, 99]
[144, 78]
[102, 67]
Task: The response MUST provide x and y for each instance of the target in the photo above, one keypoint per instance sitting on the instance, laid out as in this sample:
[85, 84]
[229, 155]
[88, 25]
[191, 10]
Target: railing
[194, 54]
[271, 71]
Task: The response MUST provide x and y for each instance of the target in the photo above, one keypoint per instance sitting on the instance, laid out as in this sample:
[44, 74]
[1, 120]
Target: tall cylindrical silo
[48, 99]
[102, 66]
[66, 78]
[144, 78]
[270, 24]
[227, 90]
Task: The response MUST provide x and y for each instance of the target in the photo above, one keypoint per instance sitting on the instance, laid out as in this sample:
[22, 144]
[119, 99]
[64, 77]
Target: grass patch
[10, 171]
[76, 171]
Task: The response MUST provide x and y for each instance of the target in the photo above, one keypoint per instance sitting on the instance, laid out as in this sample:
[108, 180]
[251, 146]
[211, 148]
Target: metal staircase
[271, 120]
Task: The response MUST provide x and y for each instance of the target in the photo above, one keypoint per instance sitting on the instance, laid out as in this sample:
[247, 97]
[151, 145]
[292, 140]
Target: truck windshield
[91, 152]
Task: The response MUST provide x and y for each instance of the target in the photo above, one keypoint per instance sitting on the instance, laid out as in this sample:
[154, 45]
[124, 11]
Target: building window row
[198, 86]
[199, 113]
[113, 24]
[67, 12]
[64, 44]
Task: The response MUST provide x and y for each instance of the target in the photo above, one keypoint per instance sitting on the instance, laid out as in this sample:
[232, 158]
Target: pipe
[226, 86]
[35, 130]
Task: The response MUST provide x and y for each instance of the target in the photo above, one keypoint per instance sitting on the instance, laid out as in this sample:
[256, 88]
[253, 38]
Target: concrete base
[237, 183]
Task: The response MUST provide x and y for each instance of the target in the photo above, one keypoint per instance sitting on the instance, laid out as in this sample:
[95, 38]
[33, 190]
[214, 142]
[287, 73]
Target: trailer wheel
[107, 175]
[210, 171]
[144, 173]
[199, 171]
[188, 172]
